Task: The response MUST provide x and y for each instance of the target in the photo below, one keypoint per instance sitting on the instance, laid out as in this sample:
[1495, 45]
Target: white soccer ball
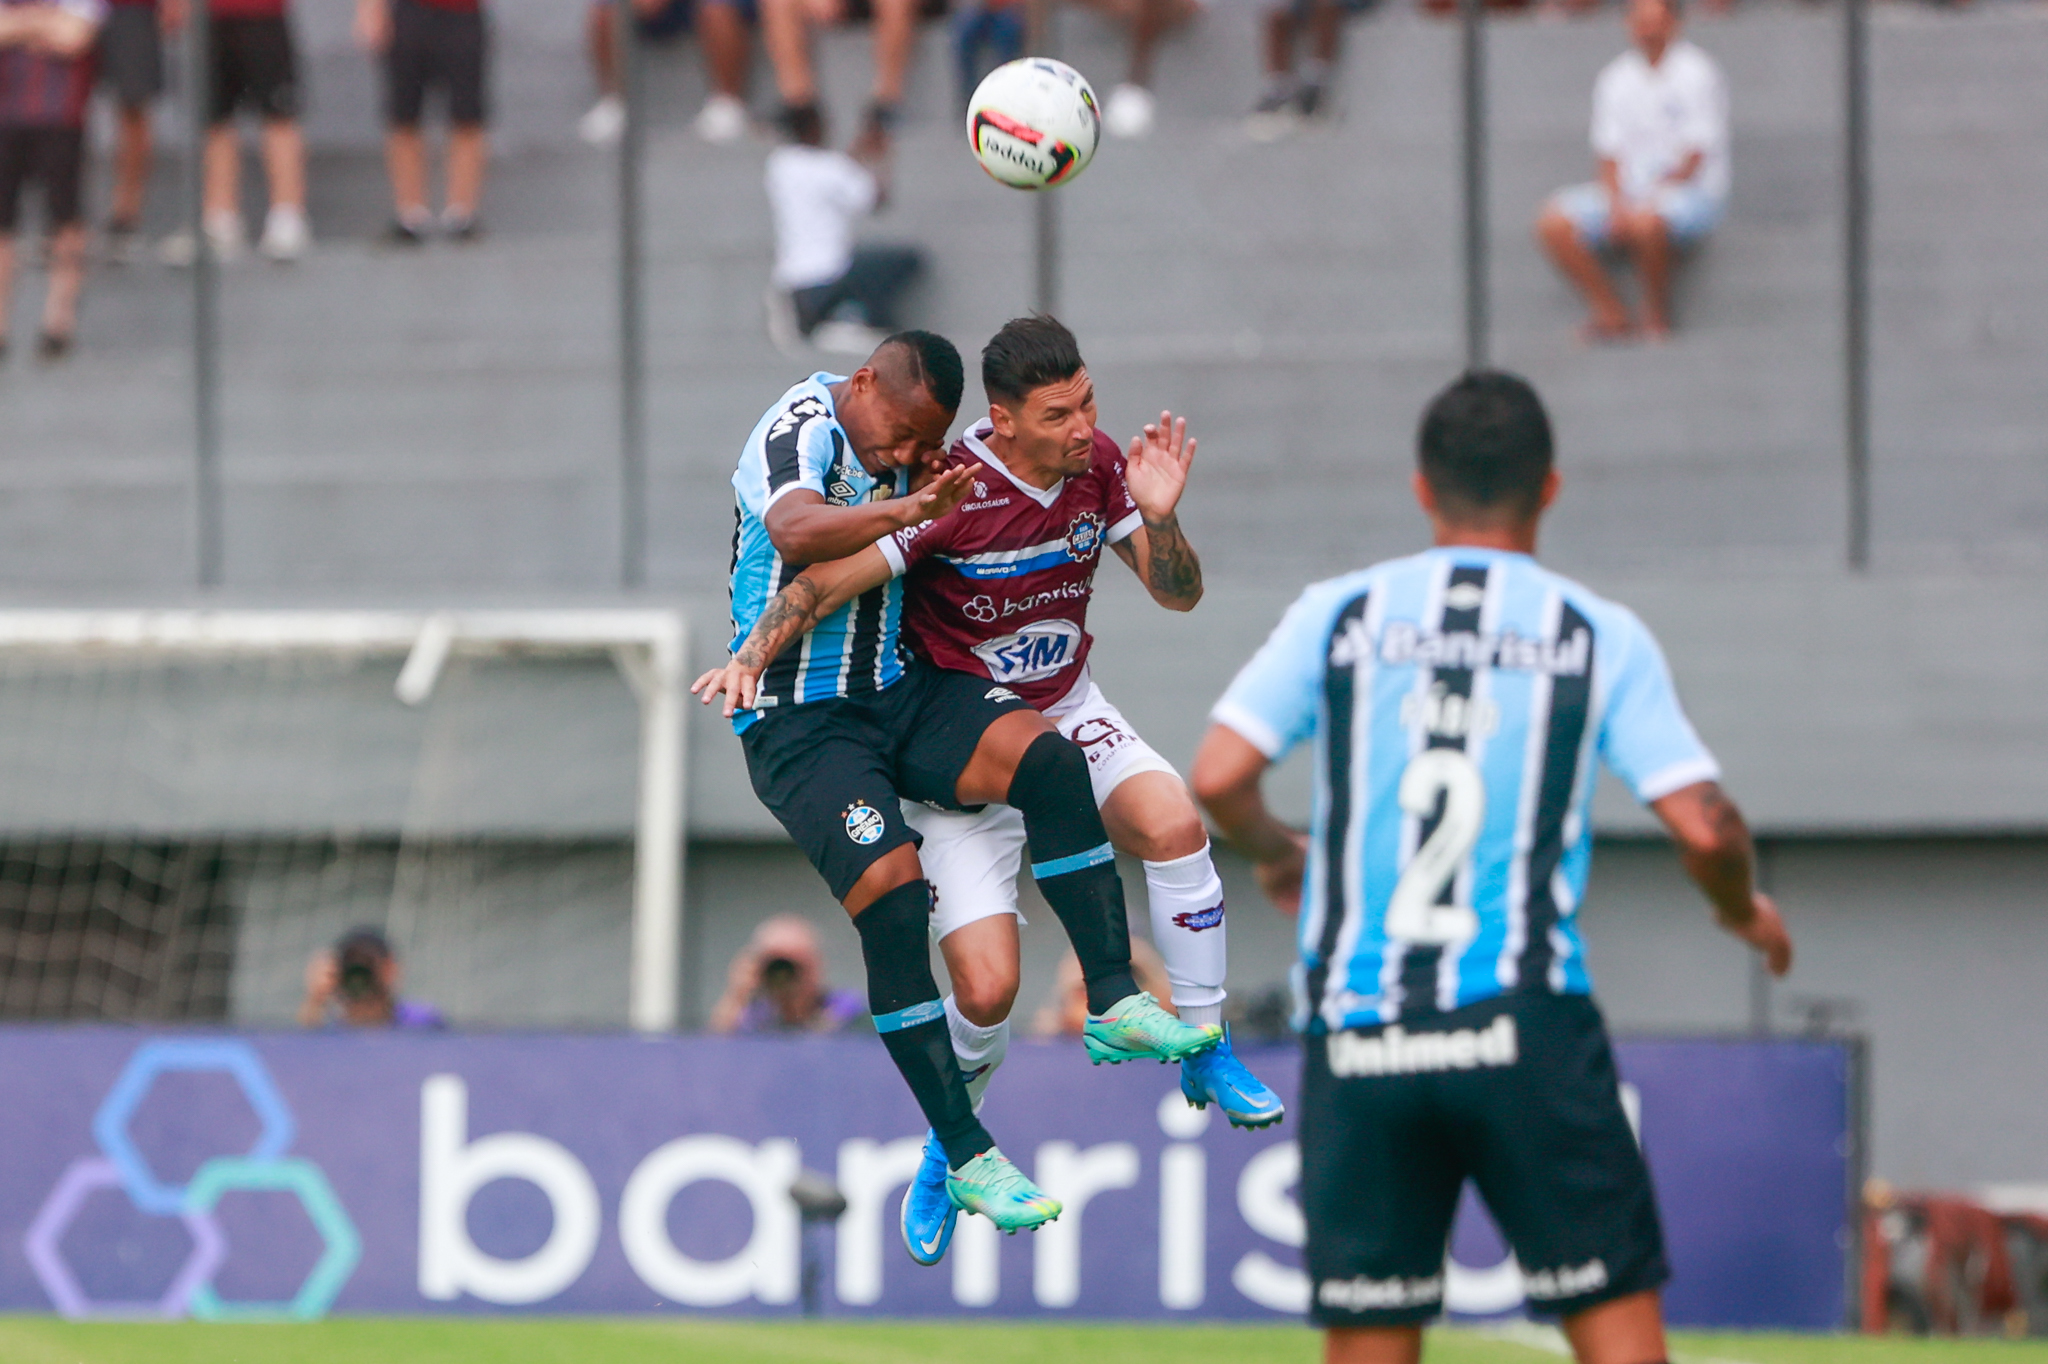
[1033, 123]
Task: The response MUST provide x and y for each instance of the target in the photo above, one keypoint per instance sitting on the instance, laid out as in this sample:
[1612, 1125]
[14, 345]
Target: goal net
[192, 804]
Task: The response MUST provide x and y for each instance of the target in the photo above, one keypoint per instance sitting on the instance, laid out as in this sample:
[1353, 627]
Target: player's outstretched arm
[815, 594]
[1227, 777]
[1714, 843]
[1156, 470]
[805, 529]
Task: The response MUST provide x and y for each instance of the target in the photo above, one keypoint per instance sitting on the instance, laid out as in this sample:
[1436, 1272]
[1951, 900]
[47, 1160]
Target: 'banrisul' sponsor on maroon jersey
[1000, 585]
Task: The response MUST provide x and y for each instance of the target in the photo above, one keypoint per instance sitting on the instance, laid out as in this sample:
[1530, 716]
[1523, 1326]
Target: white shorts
[972, 860]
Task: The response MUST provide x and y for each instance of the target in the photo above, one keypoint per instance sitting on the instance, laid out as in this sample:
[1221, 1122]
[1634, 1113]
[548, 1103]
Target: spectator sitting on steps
[721, 27]
[1660, 131]
[817, 195]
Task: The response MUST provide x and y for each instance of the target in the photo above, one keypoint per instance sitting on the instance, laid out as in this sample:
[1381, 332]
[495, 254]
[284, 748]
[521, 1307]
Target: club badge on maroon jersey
[1084, 537]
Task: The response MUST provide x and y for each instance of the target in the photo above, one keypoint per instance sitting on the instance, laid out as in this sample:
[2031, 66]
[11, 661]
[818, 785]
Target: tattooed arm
[815, 594]
[1714, 843]
[1165, 562]
[1156, 470]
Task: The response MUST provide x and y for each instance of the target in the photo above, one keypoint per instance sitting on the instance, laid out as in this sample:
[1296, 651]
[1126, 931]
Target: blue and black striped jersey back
[1457, 701]
[798, 443]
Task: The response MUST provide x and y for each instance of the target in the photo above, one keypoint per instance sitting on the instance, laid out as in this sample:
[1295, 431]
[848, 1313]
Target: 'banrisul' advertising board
[291, 1175]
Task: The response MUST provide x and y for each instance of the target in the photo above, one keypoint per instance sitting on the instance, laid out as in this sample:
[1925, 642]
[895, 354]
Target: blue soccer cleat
[1217, 1077]
[928, 1210]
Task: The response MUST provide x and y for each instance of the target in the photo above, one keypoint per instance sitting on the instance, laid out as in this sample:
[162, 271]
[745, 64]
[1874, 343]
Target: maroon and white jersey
[1000, 584]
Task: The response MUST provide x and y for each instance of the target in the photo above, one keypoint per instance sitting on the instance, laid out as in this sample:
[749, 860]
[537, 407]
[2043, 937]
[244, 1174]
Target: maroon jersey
[40, 89]
[1000, 585]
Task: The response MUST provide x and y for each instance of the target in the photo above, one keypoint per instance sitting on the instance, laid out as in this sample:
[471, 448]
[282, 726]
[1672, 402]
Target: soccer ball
[1033, 123]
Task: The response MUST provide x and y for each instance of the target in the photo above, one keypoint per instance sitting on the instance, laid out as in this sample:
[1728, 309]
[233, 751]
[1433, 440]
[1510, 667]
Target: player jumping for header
[1456, 701]
[837, 731]
[999, 589]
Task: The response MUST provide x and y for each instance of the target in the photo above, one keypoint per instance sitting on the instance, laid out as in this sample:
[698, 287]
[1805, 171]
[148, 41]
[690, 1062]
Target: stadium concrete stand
[434, 427]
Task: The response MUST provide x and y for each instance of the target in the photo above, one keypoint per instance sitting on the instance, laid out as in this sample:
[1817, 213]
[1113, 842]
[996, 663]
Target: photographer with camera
[355, 984]
[777, 984]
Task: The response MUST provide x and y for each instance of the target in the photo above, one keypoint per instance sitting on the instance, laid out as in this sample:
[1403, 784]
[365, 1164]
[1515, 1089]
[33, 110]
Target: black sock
[1074, 865]
[895, 938]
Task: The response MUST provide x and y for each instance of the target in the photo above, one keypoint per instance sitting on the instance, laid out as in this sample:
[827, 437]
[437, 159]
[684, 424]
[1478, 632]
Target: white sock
[979, 1050]
[1188, 930]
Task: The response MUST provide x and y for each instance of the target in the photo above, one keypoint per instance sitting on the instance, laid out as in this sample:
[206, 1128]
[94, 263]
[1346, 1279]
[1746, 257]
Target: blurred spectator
[1066, 1013]
[786, 32]
[1295, 92]
[131, 66]
[817, 195]
[253, 65]
[355, 983]
[1001, 28]
[1129, 111]
[777, 984]
[722, 31]
[45, 81]
[1660, 133]
[437, 44]
[985, 36]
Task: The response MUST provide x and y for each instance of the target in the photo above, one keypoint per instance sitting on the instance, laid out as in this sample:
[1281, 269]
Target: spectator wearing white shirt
[817, 196]
[1660, 132]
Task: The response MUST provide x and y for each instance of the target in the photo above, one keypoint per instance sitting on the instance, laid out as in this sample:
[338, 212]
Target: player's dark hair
[935, 364]
[1485, 445]
[1028, 352]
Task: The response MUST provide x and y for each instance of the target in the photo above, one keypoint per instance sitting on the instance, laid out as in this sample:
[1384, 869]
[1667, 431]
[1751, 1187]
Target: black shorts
[132, 55]
[1518, 1094]
[435, 48]
[51, 157]
[831, 771]
[254, 67]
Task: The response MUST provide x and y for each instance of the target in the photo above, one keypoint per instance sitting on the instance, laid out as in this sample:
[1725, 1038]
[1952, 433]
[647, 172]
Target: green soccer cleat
[1135, 1028]
[998, 1190]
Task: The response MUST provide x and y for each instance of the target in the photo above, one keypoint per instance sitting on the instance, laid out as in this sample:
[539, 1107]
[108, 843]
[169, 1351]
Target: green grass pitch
[38, 1340]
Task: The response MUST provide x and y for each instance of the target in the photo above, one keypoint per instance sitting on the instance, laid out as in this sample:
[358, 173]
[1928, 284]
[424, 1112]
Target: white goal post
[649, 647]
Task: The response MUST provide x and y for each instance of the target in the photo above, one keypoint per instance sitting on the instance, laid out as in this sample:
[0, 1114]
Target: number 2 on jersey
[1413, 914]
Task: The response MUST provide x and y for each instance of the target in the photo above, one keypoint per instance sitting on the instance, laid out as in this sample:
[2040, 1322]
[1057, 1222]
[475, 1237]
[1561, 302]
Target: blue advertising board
[230, 1176]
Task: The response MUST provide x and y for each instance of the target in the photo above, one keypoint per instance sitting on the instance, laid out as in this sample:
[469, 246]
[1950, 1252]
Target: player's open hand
[1280, 878]
[1156, 466]
[738, 681]
[938, 497]
[1766, 932]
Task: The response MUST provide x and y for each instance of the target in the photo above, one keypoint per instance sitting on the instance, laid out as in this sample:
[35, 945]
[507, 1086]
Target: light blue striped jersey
[1457, 701]
[798, 443]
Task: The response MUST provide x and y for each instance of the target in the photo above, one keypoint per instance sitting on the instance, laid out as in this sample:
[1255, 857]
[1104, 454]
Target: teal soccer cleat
[1135, 1028]
[990, 1185]
[929, 1212]
[1218, 1077]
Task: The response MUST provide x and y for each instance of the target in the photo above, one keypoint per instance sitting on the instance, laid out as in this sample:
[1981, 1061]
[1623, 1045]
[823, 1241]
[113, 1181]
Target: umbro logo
[1465, 596]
